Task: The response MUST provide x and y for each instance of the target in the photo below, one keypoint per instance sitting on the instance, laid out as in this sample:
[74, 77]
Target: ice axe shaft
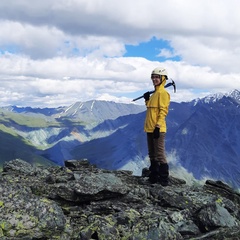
[135, 99]
[166, 86]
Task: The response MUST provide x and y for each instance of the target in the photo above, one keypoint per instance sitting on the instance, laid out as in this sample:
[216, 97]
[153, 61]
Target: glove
[156, 133]
[146, 96]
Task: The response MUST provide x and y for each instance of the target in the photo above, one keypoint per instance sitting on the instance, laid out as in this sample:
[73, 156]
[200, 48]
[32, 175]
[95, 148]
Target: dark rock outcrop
[80, 201]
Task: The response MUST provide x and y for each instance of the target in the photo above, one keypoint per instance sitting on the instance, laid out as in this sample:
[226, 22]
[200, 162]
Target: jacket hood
[161, 85]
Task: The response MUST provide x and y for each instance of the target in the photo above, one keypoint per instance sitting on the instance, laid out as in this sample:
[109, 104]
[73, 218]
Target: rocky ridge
[80, 201]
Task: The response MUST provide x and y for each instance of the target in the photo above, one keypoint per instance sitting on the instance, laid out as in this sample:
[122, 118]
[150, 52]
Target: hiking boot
[163, 174]
[145, 172]
[154, 172]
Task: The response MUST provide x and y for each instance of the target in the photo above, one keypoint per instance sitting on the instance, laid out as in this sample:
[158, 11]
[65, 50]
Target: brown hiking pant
[156, 148]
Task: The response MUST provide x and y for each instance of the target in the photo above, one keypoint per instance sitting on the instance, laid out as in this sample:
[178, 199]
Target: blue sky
[152, 50]
[55, 53]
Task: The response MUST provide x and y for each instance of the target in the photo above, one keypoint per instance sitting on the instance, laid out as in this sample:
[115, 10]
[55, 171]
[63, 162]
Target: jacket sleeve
[163, 103]
[146, 103]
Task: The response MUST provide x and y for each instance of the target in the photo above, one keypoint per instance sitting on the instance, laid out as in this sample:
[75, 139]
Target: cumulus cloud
[61, 51]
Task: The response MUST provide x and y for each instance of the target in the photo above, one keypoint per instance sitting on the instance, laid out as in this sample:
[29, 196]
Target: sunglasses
[155, 76]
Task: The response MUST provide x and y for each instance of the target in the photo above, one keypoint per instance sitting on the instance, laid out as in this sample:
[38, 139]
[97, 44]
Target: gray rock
[19, 166]
[80, 201]
[214, 216]
[24, 214]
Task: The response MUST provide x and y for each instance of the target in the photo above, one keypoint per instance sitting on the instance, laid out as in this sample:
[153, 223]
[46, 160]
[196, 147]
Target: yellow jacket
[157, 109]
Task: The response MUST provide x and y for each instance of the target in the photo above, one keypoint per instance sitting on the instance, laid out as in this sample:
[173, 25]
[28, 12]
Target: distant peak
[234, 94]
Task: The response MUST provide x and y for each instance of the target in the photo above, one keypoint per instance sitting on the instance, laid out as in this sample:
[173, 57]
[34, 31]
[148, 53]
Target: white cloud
[178, 171]
[57, 52]
[167, 53]
[220, 53]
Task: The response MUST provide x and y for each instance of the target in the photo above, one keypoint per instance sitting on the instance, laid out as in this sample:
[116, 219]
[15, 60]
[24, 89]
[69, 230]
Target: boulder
[80, 201]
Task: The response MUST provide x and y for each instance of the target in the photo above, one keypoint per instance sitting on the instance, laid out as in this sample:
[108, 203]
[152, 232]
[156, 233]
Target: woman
[155, 126]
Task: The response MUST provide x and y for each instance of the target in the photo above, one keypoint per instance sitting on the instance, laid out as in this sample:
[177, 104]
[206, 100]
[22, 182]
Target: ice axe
[166, 86]
[171, 84]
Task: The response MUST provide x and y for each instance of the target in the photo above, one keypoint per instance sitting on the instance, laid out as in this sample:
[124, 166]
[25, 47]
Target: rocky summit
[80, 201]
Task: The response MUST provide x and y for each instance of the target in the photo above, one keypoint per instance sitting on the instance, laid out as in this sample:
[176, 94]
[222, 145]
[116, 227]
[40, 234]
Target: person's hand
[146, 96]
[156, 133]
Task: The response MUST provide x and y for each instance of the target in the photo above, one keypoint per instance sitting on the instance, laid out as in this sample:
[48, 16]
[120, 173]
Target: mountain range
[203, 136]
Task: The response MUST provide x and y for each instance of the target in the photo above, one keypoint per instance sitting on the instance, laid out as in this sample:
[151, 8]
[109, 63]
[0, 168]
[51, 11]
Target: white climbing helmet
[160, 71]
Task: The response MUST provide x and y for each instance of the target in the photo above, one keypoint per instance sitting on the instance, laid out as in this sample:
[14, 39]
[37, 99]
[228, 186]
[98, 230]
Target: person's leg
[150, 143]
[159, 149]
[160, 157]
[164, 174]
[154, 165]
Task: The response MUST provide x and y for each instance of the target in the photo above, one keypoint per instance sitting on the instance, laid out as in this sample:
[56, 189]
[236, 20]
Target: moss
[219, 200]
[51, 210]
[23, 232]
[45, 200]
[1, 204]
[89, 230]
[68, 170]
[10, 196]
[1, 233]
[2, 225]
[5, 226]
[20, 225]
[127, 237]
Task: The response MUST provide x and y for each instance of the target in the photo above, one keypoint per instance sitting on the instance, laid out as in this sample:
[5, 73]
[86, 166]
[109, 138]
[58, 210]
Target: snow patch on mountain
[212, 98]
[184, 131]
[98, 111]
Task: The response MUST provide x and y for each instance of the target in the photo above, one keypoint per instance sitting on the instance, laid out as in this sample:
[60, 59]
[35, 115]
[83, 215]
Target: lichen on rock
[80, 201]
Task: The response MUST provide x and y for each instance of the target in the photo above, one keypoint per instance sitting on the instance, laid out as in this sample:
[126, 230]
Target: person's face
[155, 79]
